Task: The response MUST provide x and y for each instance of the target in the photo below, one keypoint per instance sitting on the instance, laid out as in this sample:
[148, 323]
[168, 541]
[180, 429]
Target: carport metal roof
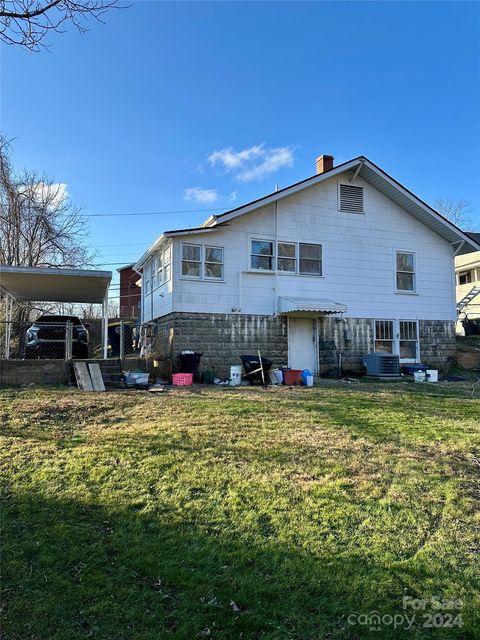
[55, 285]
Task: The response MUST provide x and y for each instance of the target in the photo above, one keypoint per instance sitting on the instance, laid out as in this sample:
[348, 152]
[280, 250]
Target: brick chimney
[324, 163]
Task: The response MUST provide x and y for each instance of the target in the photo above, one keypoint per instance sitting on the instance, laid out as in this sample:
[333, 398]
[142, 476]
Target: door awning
[310, 306]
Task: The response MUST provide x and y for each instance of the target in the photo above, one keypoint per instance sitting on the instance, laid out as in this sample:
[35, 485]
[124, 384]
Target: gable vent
[351, 198]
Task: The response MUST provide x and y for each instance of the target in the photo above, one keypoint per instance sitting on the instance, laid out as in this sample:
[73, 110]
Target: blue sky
[189, 106]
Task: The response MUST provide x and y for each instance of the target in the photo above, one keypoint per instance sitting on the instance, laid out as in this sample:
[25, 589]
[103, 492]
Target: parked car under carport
[46, 337]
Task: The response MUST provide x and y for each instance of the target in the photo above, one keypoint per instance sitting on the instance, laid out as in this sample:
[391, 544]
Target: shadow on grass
[75, 570]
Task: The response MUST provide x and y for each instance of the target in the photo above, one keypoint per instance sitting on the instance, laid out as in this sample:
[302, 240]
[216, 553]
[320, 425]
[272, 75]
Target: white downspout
[105, 325]
[275, 258]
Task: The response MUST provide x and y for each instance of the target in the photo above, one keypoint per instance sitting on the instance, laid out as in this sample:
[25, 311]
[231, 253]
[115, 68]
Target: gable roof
[369, 172]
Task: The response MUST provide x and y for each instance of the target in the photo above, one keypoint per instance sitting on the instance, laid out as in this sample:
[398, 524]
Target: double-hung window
[310, 259]
[405, 271]
[163, 266]
[191, 260]
[148, 277]
[262, 255]
[213, 268]
[202, 262]
[301, 258]
[287, 257]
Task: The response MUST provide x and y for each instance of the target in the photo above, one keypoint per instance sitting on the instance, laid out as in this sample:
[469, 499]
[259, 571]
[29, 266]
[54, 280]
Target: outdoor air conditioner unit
[381, 364]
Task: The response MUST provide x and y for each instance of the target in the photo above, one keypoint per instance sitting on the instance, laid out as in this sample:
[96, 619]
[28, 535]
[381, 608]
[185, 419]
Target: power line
[152, 213]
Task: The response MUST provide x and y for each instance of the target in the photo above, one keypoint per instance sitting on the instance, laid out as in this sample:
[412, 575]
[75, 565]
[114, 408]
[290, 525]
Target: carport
[45, 284]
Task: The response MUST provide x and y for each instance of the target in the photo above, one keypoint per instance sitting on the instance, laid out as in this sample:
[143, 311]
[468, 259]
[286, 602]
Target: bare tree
[27, 22]
[39, 225]
[457, 211]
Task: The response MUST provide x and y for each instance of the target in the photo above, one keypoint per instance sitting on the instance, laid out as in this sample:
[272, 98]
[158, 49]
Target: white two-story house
[347, 261]
[467, 268]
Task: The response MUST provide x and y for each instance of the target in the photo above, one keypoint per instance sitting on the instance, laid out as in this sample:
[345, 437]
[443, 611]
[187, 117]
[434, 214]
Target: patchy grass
[238, 513]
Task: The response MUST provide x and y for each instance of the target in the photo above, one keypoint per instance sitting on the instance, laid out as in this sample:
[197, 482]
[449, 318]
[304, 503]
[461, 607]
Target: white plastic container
[271, 377]
[309, 381]
[432, 375]
[278, 373]
[419, 376]
[235, 375]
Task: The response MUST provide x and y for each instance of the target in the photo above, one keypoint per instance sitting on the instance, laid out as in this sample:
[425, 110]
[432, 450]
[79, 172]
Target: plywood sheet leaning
[96, 376]
[82, 375]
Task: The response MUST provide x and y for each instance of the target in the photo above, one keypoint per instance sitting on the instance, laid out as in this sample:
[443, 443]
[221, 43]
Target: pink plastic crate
[182, 379]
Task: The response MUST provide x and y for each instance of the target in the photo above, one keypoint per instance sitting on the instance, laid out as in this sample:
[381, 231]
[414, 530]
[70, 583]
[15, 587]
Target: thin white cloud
[253, 163]
[236, 159]
[198, 194]
[47, 194]
[233, 196]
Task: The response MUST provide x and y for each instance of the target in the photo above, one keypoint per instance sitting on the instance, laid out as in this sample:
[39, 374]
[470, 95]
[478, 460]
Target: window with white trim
[310, 259]
[213, 268]
[287, 257]
[191, 260]
[465, 277]
[163, 266]
[398, 336]
[301, 258]
[147, 273]
[405, 271]
[204, 263]
[261, 255]
[408, 340]
[384, 336]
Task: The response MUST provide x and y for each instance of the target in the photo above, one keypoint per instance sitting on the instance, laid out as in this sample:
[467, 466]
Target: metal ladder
[465, 301]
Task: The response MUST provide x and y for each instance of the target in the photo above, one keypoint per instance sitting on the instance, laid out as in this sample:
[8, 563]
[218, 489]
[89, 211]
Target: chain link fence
[21, 340]
[27, 340]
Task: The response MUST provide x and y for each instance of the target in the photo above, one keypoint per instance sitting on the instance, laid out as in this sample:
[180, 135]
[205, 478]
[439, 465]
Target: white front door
[302, 344]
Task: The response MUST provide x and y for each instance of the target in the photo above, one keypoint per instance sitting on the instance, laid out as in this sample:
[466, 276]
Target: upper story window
[287, 257]
[163, 266]
[202, 262]
[310, 259]
[291, 257]
[147, 274]
[213, 267]
[191, 260]
[350, 198]
[465, 277]
[405, 275]
[262, 255]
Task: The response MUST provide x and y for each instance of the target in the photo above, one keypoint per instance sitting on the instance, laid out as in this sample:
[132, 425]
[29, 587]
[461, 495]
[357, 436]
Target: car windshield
[58, 320]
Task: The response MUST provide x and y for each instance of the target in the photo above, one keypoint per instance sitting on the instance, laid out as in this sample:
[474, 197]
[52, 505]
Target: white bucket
[235, 375]
[271, 377]
[278, 373]
[309, 381]
[432, 375]
[419, 376]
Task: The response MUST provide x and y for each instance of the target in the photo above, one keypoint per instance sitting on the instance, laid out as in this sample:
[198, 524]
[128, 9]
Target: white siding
[160, 301]
[358, 260]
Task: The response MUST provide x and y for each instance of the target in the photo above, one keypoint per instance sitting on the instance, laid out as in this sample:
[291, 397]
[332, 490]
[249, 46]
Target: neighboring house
[467, 273]
[130, 292]
[346, 261]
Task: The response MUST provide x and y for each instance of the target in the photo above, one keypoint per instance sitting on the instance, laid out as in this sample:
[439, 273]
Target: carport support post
[8, 327]
[105, 326]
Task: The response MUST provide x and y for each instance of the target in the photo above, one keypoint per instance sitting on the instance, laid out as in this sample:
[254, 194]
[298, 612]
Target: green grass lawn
[239, 513]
